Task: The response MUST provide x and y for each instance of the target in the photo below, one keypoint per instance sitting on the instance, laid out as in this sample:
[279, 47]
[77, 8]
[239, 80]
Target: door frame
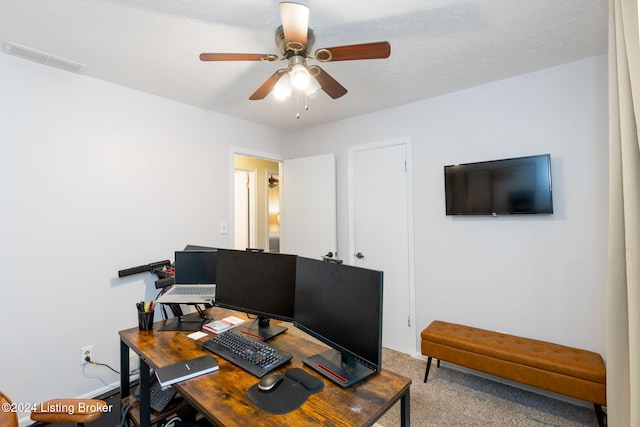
[252, 217]
[408, 143]
[233, 150]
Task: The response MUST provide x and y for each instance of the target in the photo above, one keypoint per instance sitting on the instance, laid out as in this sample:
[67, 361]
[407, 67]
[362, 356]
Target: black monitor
[258, 283]
[341, 305]
[195, 267]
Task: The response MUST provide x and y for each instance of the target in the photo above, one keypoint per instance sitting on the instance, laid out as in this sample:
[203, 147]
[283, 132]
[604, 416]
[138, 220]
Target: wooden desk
[221, 396]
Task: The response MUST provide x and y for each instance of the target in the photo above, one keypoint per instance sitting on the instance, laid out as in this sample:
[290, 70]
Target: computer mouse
[269, 381]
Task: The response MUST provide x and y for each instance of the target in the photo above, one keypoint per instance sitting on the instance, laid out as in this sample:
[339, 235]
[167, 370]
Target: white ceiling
[437, 47]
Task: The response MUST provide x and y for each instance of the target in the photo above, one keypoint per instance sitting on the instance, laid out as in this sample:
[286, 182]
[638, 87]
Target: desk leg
[124, 370]
[405, 413]
[145, 394]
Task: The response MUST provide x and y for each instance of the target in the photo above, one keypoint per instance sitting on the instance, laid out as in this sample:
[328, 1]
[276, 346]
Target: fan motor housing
[287, 51]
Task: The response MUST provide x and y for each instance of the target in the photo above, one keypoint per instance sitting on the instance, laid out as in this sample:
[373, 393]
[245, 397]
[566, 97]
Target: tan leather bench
[557, 368]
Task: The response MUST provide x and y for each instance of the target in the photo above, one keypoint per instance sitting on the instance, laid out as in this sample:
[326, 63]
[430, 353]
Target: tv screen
[258, 283]
[195, 267]
[500, 187]
[341, 305]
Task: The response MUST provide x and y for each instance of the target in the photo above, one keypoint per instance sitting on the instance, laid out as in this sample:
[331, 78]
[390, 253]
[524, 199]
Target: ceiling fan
[294, 38]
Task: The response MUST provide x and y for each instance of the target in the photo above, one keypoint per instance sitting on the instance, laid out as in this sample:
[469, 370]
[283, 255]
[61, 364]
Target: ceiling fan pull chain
[297, 106]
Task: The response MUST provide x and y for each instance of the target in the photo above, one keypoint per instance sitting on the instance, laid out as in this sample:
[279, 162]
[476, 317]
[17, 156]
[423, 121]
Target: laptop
[194, 278]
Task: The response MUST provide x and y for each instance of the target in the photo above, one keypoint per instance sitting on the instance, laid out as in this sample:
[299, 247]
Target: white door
[308, 206]
[380, 194]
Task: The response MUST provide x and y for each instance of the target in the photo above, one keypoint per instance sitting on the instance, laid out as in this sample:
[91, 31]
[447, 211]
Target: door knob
[359, 255]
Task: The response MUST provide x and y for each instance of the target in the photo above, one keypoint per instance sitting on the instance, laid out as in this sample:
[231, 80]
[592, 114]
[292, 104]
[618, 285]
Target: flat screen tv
[519, 185]
[258, 283]
[341, 305]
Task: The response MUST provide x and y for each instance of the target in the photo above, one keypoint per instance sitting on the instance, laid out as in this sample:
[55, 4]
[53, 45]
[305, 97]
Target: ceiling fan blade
[295, 22]
[375, 50]
[329, 84]
[266, 87]
[237, 57]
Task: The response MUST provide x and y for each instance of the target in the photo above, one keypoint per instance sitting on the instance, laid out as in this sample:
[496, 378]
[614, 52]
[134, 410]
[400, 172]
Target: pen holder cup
[145, 320]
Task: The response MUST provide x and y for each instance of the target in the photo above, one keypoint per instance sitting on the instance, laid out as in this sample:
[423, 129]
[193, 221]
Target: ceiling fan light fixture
[312, 88]
[299, 76]
[283, 88]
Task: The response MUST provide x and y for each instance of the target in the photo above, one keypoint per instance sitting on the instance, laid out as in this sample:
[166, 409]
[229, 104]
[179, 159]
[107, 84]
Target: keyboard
[160, 398]
[256, 357]
[192, 290]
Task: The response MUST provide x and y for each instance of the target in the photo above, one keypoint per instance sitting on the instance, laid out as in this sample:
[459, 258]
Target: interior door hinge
[409, 321]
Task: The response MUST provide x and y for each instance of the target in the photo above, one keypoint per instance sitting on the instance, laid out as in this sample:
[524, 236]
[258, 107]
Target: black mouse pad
[294, 389]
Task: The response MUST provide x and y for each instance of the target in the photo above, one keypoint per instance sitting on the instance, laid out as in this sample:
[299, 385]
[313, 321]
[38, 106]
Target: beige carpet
[455, 398]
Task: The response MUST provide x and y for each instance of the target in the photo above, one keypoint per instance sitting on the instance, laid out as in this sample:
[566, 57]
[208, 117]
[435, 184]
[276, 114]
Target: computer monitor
[257, 283]
[195, 267]
[341, 305]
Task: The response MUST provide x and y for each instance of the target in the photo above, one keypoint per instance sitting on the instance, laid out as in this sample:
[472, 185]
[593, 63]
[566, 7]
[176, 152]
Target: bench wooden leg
[602, 417]
[426, 372]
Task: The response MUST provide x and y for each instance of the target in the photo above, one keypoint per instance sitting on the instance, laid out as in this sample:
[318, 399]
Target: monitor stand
[260, 329]
[180, 323]
[344, 371]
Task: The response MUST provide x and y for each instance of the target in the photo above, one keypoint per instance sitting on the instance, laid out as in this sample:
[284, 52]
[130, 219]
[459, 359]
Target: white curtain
[623, 287]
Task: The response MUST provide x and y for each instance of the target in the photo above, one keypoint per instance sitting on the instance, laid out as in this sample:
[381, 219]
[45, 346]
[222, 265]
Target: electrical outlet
[86, 352]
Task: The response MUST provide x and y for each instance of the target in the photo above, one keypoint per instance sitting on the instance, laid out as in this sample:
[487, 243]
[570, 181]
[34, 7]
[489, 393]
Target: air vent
[42, 57]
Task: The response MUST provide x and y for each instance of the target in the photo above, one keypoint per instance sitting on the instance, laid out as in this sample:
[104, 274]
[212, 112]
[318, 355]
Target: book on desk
[186, 369]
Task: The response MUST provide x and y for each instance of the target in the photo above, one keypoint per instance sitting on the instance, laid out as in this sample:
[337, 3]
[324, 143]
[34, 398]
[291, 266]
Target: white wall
[543, 276]
[95, 178]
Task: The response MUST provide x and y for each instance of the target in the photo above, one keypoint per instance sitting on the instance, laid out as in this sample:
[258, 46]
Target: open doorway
[256, 203]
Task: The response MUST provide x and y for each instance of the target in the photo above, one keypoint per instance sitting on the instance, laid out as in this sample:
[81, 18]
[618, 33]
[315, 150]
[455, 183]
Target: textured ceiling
[437, 47]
